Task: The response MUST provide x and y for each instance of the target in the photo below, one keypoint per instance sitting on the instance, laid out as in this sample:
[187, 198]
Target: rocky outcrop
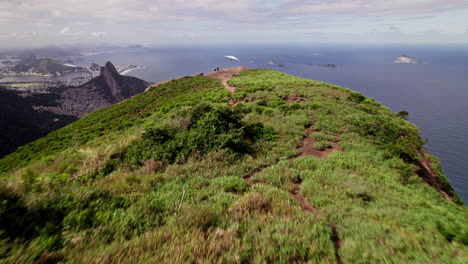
[114, 82]
[119, 86]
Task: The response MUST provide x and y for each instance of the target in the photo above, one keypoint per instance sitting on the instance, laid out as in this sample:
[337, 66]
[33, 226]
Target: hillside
[26, 116]
[283, 170]
[20, 123]
[108, 88]
[44, 66]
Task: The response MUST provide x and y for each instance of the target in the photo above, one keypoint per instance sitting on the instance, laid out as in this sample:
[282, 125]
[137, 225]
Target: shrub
[320, 136]
[307, 163]
[403, 114]
[201, 216]
[262, 102]
[276, 102]
[232, 184]
[253, 203]
[452, 230]
[258, 109]
[209, 129]
[284, 108]
[322, 145]
[239, 95]
[295, 106]
[243, 108]
[314, 106]
[28, 181]
[258, 131]
[268, 112]
[356, 97]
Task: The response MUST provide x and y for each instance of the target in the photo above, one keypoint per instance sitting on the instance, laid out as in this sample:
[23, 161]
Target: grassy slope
[70, 206]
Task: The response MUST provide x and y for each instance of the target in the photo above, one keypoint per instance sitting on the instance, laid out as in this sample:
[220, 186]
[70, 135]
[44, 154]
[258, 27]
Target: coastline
[125, 72]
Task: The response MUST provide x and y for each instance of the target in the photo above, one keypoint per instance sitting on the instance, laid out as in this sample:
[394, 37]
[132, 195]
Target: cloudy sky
[153, 22]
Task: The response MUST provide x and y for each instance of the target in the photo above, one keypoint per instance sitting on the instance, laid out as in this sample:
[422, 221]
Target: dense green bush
[320, 136]
[396, 135]
[259, 131]
[403, 114]
[209, 129]
[322, 145]
[356, 97]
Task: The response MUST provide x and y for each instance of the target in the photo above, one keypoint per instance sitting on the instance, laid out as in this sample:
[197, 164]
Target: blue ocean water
[434, 92]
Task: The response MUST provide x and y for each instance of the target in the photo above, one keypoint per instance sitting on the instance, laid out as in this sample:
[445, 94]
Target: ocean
[434, 92]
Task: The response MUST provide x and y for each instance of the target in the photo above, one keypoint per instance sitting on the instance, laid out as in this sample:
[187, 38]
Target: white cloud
[65, 30]
[158, 20]
[98, 34]
[24, 35]
[47, 11]
[374, 7]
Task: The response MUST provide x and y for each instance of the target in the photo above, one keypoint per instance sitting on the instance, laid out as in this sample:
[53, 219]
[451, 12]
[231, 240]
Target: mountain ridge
[283, 169]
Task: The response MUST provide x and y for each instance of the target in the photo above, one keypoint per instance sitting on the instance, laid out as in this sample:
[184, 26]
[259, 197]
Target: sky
[166, 22]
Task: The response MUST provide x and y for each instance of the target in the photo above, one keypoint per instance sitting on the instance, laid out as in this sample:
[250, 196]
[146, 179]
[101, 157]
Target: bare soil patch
[307, 148]
[294, 99]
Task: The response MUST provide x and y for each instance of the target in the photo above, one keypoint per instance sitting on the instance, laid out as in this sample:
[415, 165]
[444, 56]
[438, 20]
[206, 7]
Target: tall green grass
[73, 196]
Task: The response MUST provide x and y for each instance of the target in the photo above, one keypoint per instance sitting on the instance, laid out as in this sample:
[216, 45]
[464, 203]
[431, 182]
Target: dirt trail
[302, 201]
[223, 75]
[308, 150]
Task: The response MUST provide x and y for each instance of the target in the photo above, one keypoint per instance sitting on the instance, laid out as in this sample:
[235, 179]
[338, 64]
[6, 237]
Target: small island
[405, 59]
[332, 66]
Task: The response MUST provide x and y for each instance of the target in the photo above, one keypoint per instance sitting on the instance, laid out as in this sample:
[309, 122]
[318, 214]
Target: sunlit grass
[70, 205]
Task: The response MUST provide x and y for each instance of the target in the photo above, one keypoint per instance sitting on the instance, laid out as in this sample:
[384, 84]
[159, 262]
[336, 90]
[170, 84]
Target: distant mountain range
[45, 66]
[24, 118]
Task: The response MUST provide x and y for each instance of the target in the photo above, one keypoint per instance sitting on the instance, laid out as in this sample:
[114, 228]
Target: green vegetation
[403, 114]
[23, 85]
[206, 130]
[319, 136]
[159, 178]
[118, 118]
[322, 145]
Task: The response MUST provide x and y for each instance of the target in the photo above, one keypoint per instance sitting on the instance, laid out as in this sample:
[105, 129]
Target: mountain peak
[118, 86]
[110, 68]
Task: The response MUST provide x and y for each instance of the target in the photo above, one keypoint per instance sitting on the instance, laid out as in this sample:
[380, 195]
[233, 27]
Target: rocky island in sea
[405, 60]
